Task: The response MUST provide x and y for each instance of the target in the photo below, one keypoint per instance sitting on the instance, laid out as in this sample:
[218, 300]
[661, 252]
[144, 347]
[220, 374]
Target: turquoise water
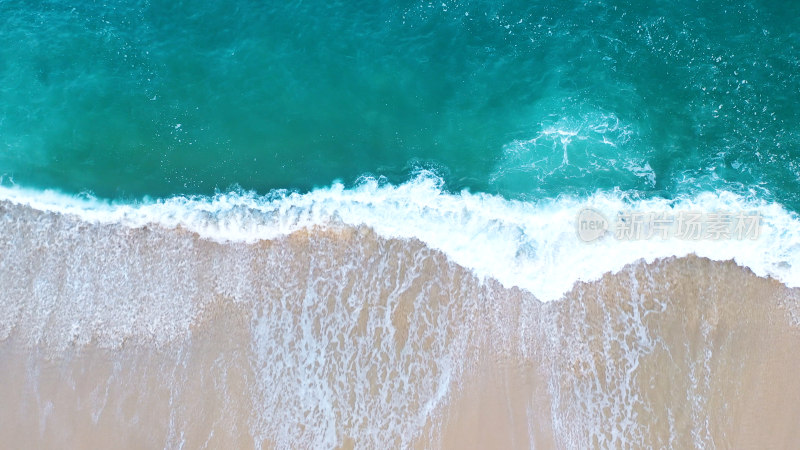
[422, 172]
[526, 99]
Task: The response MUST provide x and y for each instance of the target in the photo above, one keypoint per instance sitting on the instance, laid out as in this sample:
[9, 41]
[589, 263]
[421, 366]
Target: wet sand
[337, 337]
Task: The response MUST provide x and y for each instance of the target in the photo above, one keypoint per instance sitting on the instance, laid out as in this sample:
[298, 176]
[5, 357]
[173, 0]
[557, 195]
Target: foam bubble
[532, 245]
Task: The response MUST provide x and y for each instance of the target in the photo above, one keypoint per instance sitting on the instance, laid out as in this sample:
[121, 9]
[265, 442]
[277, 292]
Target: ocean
[453, 224]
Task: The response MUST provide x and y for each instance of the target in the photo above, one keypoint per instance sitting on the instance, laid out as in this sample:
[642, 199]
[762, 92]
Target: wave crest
[532, 245]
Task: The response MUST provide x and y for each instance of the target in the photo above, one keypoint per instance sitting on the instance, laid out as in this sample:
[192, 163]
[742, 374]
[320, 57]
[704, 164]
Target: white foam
[532, 245]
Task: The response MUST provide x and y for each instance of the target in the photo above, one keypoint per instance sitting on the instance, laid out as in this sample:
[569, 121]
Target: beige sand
[154, 338]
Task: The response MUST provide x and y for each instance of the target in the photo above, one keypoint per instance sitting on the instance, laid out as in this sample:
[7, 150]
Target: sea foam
[532, 245]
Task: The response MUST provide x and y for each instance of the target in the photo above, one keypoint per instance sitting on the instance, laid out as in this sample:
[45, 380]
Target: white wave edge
[530, 245]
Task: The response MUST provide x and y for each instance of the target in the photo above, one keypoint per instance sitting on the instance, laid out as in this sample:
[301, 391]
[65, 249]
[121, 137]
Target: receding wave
[178, 324]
